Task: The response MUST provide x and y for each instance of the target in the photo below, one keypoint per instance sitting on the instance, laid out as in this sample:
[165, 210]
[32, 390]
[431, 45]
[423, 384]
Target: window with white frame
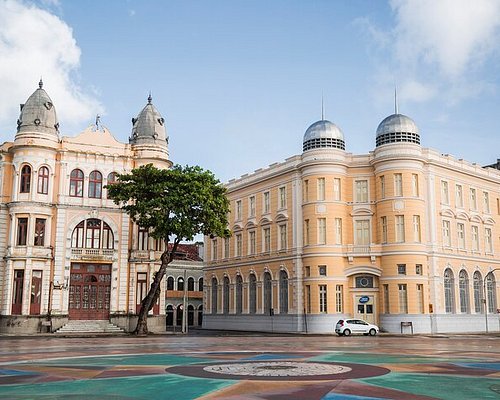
[420, 298]
[238, 210]
[323, 305]
[463, 291]
[459, 196]
[403, 298]
[251, 243]
[321, 189]
[486, 202]
[398, 185]
[449, 291]
[415, 190]
[473, 199]
[306, 191]
[239, 244]
[478, 292]
[400, 228]
[418, 269]
[338, 230]
[417, 235]
[226, 247]
[339, 298]
[306, 232]
[383, 223]
[401, 269]
[461, 236]
[266, 207]
[266, 234]
[251, 206]
[446, 233]
[321, 230]
[282, 197]
[475, 237]
[386, 299]
[282, 236]
[382, 187]
[214, 249]
[488, 244]
[336, 189]
[445, 194]
[361, 191]
[362, 232]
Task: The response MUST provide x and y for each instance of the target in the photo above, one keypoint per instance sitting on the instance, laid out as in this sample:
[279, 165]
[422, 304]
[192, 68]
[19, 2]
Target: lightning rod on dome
[396, 111]
[322, 108]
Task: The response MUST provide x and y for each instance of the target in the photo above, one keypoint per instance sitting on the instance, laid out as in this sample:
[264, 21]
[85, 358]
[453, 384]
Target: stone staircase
[89, 327]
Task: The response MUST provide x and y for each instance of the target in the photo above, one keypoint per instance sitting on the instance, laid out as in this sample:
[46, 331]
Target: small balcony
[80, 254]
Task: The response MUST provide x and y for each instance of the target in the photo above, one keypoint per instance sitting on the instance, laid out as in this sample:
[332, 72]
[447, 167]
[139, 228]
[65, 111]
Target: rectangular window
[214, 249]
[383, 223]
[282, 237]
[401, 269]
[22, 231]
[282, 197]
[420, 298]
[400, 228]
[308, 298]
[386, 298]
[39, 232]
[322, 299]
[418, 269]
[306, 232]
[361, 191]
[461, 236]
[238, 210]
[307, 271]
[226, 247]
[142, 238]
[251, 206]
[417, 237]
[306, 191]
[446, 233]
[403, 299]
[322, 270]
[251, 243]
[336, 189]
[486, 202]
[398, 185]
[267, 239]
[488, 245]
[382, 187]
[473, 199]
[459, 196]
[475, 238]
[339, 298]
[321, 230]
[267, 203]
[321, 189]
[415, 190]
[239, 245]
[362, 232]
[445, 195]
[338, 230]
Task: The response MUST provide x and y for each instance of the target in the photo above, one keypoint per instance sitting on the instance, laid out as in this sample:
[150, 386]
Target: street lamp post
[486, 296]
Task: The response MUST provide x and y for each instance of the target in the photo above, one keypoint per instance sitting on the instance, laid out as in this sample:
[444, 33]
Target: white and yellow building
[400, 235]
[66, 250]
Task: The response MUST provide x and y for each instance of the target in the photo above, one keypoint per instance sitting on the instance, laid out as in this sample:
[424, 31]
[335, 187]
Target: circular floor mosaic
[279, 370]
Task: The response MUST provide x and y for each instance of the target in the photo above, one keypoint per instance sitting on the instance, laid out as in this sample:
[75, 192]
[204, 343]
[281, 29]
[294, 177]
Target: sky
[238, 82]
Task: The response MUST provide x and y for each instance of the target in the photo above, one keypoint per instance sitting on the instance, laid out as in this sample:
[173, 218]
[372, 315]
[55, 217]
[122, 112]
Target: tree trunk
[154, 291]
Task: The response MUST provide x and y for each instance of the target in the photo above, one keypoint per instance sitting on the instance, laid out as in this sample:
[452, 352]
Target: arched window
[180, 283]
[463, 285]
[267, 293]
[25, 179]
[170, 283]
[478, 292]
[178, 320]
[252, 294]
[190, 284]
[200, 284]
[449, 291]
[239, 294]
[225, 295]
[112, 178]
[95, 185]
[491, 293]
[283, 292]
[76, 183]
[92, 234]
[214, 295]
[43, 180]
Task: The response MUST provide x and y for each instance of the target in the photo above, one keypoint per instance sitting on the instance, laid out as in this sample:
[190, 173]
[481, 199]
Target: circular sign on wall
[364, 299]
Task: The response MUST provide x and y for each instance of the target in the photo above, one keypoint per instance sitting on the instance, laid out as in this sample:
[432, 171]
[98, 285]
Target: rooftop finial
[396, 111]
[150, 98]
[322, 108]
[40, 84]
[97, 121]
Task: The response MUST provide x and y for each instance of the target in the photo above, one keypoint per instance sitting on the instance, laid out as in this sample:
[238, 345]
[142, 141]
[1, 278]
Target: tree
[174, 205]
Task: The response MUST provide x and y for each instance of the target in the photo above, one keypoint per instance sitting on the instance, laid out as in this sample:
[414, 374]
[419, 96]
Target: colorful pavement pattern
[160, 369]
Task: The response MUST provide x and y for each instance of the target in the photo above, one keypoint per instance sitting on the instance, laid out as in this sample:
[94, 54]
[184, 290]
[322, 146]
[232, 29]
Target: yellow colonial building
[67, 252]
[404, 237]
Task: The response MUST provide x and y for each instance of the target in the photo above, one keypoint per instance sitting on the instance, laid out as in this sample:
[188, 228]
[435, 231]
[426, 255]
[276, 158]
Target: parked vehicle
[347, 327]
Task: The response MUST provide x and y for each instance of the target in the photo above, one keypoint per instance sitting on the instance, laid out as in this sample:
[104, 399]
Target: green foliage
[180, 202]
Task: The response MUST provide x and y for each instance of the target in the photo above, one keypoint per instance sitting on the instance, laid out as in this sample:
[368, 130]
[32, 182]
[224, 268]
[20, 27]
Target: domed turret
[38, 116]
[397, 128]
[323, 134]
[149, 126]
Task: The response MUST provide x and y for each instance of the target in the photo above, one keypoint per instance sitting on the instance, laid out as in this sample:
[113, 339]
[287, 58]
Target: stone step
[87, 326]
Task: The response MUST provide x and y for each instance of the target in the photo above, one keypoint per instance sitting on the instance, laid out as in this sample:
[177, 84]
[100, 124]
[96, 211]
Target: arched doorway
[178, 319]
[200, 315]
[190, 315]
[170, 315]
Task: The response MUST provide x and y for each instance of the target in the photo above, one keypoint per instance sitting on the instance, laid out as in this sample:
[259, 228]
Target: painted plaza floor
[252, 366]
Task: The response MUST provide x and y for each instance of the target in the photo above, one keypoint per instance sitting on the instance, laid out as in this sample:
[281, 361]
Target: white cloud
[416, 91]
[35, 43]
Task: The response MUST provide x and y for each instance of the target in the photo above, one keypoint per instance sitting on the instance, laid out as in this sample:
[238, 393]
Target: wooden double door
[89, 291]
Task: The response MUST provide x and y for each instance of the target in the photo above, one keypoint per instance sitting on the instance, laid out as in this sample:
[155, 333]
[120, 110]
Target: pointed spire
[396, 110]
[150, 98]
[40, 84]
[322, 108]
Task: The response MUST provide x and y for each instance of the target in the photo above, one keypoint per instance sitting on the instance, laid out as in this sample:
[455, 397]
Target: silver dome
[397, 128]
[323, 134]
[149, 126]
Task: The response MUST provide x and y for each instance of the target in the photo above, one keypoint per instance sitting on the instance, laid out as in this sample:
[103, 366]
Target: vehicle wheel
[372, 332]
[347, 332]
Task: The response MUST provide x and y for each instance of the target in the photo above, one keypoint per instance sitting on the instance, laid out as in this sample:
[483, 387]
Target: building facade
[402, 235]
[66, 250]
